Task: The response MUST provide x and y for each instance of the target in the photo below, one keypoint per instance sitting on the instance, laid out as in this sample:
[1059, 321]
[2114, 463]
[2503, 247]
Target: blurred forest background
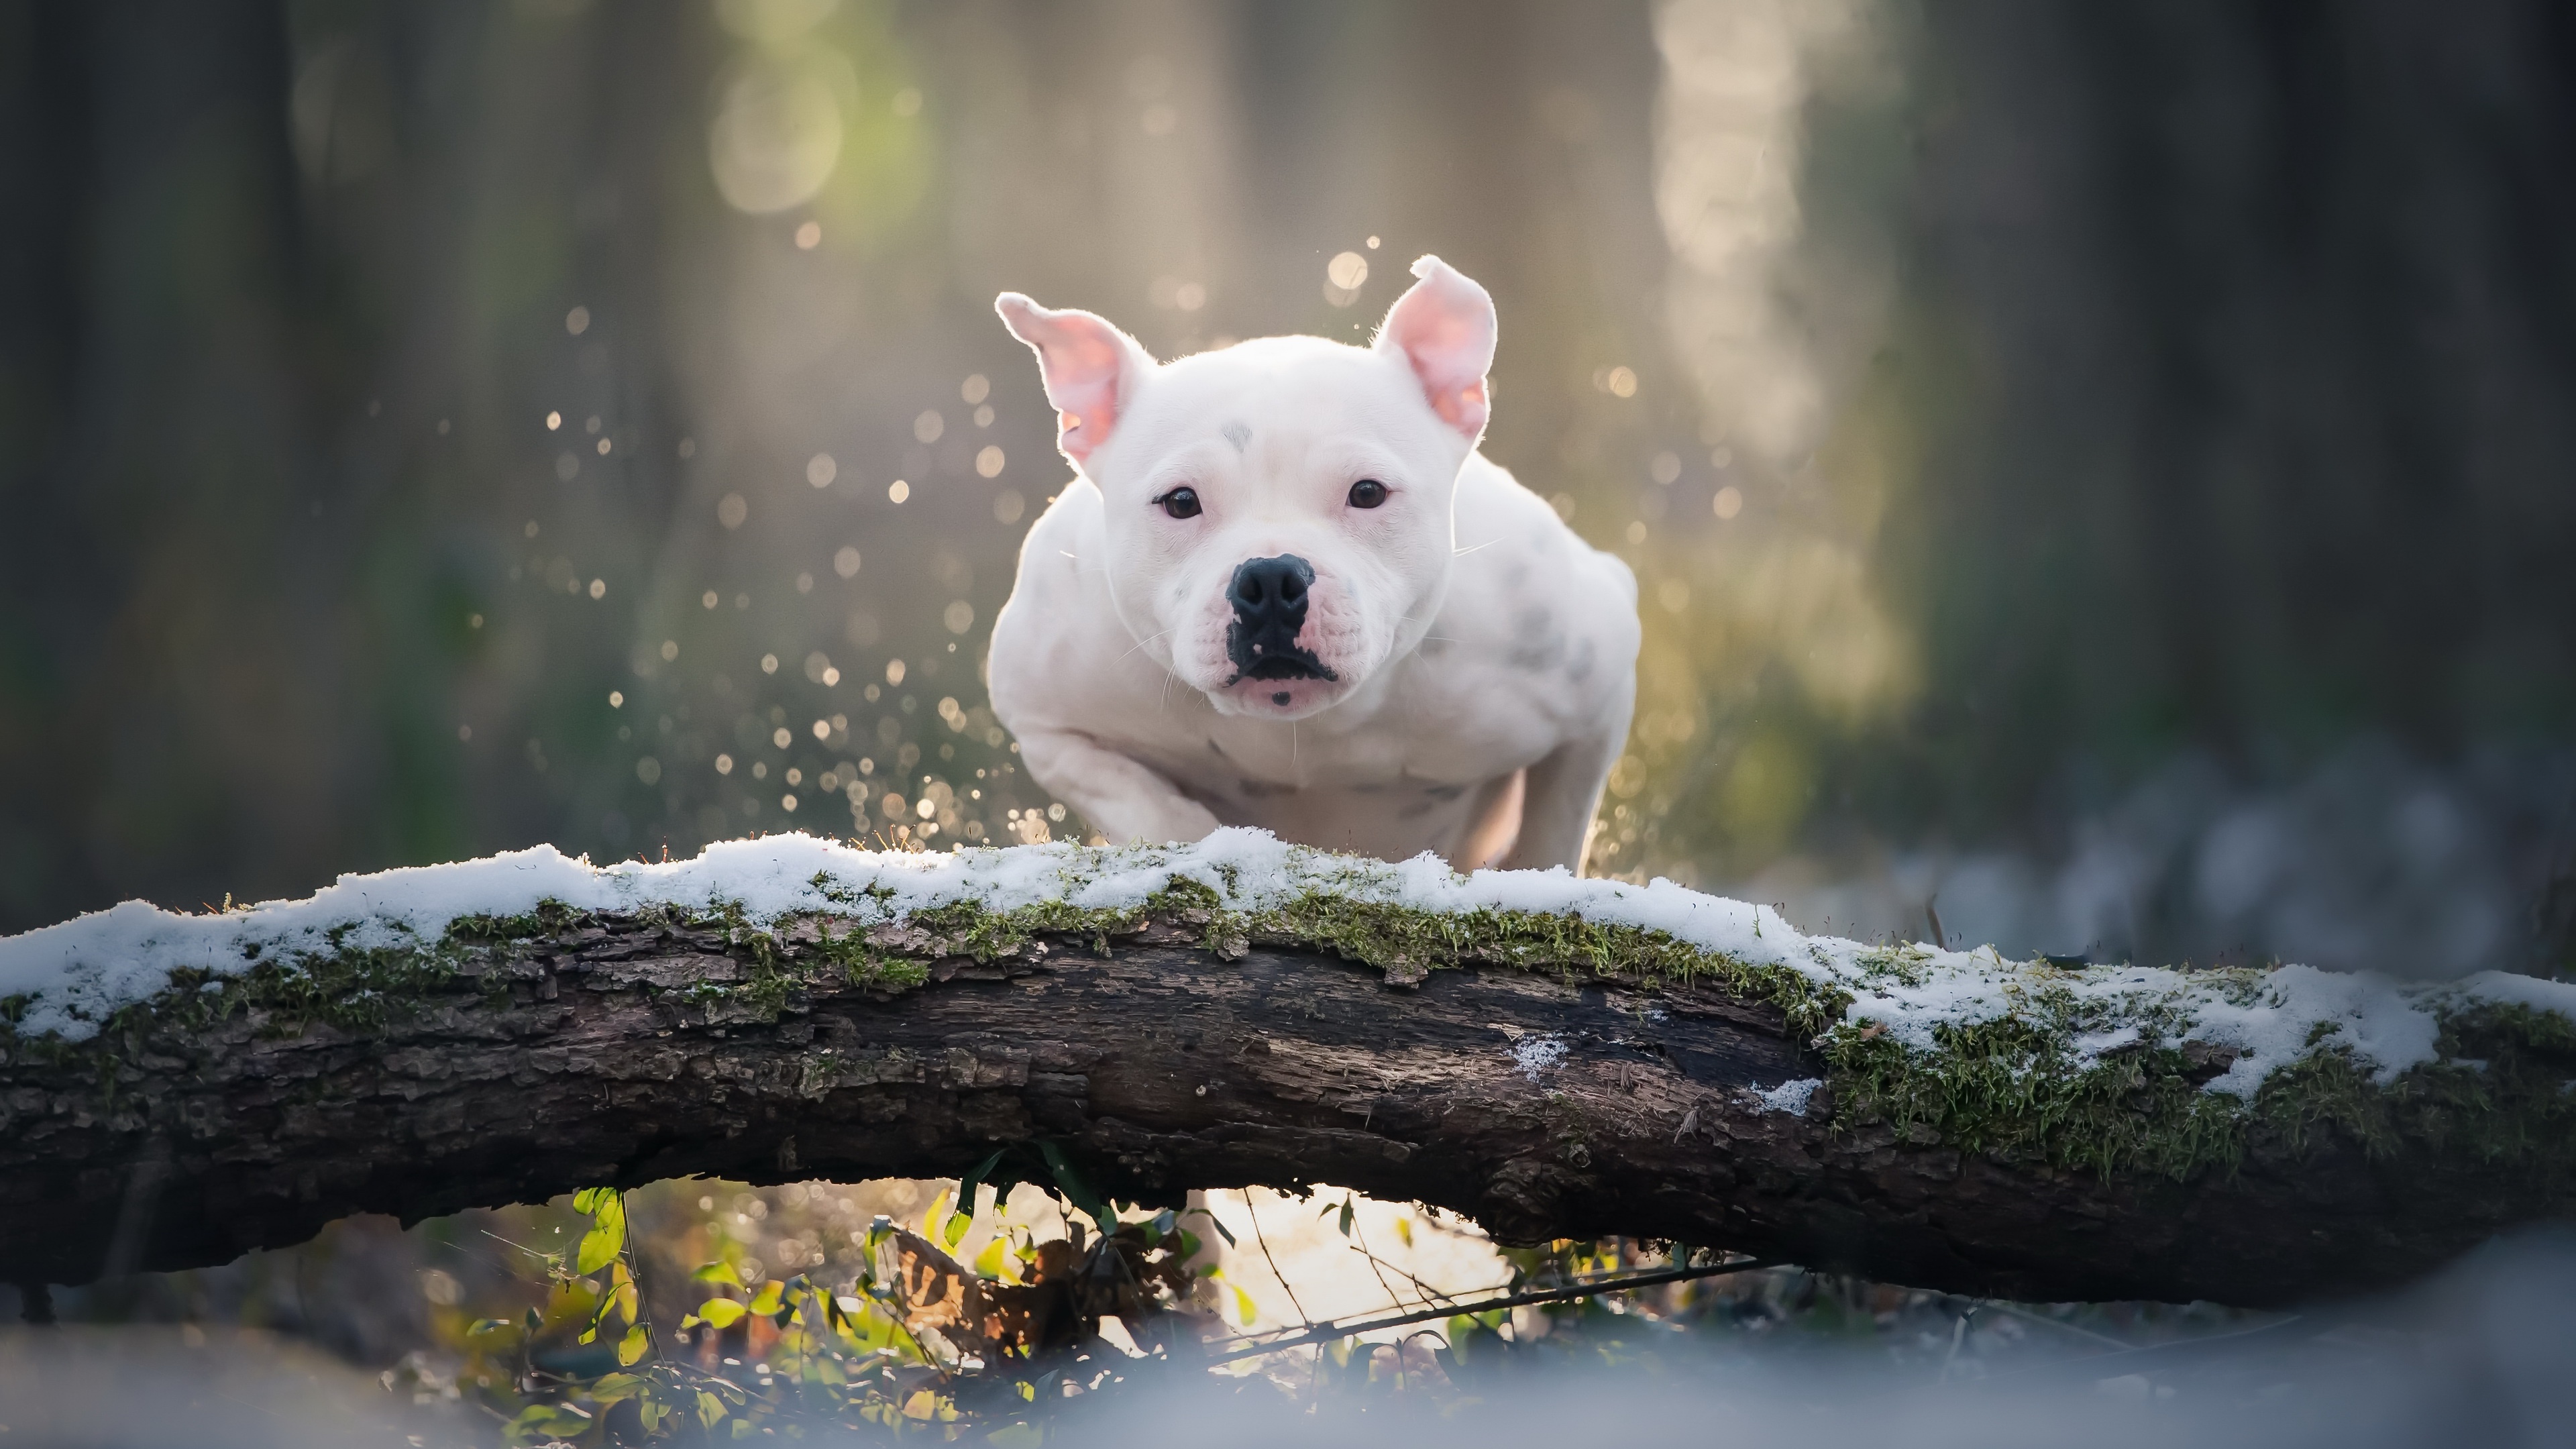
[2100, 474]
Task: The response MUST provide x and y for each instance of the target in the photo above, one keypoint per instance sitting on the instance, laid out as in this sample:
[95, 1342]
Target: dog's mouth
[1299, 664]
[1269, 598]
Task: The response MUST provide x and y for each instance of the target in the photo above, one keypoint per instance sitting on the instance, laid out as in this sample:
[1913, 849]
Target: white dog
[1382, 642]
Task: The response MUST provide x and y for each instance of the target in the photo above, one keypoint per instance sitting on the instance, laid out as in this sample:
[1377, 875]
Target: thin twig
[2060, 1325]
[1430, 1294]
[1393, 1298]
[1255, 1214]
[2170, 1346]
[1328, 1331]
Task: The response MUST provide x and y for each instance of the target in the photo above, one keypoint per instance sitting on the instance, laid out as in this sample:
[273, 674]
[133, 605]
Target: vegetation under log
[1549, 1077]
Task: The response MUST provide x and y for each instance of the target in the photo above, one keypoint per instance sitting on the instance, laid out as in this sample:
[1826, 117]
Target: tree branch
[1328, 1331]
[1547, 1077]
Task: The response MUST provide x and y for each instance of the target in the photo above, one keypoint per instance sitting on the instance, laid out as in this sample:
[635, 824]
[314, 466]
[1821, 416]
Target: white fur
[1486, 656]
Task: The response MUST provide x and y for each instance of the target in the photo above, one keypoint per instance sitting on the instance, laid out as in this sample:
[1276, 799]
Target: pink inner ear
[1084, 361]
[1444, 326]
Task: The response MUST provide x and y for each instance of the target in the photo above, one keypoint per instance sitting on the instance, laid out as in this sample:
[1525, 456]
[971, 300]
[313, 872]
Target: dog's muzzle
[1269, 598]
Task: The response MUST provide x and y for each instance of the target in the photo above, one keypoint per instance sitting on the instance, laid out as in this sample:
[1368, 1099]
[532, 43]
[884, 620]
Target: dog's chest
[1376, 797]
[1275, 761]
[1402, 774]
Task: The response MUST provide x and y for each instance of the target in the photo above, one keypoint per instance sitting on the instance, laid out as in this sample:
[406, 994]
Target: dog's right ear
[1092, 369]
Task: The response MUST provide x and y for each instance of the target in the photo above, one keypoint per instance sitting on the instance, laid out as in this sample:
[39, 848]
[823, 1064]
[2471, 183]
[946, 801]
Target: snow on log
[1556, 1057]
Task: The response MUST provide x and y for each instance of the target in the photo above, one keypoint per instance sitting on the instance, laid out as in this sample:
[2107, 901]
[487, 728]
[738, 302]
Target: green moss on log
[2015, 1087]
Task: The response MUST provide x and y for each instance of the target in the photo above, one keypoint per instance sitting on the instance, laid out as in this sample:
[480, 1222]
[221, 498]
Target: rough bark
[1544, 1106]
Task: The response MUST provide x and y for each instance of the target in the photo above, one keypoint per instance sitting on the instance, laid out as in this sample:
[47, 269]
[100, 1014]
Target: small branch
[1328, 1331]
[1255, 1214]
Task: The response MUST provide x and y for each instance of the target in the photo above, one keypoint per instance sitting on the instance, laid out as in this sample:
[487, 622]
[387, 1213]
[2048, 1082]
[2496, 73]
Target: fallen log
[1555, 1058]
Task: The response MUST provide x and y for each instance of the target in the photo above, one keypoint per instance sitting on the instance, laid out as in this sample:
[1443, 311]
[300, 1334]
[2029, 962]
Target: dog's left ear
[1443, 327]
[1091, 368]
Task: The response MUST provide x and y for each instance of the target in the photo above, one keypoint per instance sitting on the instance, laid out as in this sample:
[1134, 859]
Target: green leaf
[539, 1422]
[718, 1273]
[632, 1346]
[1219, 1224]
[1075, 1190]
[721, 1312]
[612, 1387]
[967, 1185]
[607, 1236]
[958, 1226]
[486, 1325]
[710, 1408]
[766, 1300]
[988, 1263]
[1244, 1307]
[1346, 1217]
[599, 1248]
[535, 1324]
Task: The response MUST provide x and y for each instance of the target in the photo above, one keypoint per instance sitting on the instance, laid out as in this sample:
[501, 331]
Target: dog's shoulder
[1071, 516]
[1061, 556]
[1536, 619]
[1511, 544]
[1052, 597]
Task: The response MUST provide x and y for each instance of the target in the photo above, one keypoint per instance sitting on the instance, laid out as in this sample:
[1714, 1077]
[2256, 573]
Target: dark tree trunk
[1543, 1106]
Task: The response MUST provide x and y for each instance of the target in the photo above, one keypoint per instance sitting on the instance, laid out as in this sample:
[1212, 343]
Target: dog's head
[1279, 510]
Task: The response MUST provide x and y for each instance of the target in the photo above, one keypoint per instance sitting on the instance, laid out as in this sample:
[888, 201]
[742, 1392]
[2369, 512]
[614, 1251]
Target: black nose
[1272, 588]
[1269, 598]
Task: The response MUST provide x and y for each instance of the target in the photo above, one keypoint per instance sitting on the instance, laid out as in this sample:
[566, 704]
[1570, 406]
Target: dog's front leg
[1122, 799]
[1562, 795]
[1564, 788]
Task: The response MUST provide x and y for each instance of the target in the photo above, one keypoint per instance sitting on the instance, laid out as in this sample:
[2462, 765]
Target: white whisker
[1471, 548]
[1148, 639]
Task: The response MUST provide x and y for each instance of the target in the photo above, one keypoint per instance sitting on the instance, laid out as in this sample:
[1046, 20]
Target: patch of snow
[75, 973]
[2095, 1045]
[1535, 1054]
[1791, 1097]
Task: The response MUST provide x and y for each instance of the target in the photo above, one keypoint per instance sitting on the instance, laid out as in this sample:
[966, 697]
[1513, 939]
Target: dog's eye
[1181, 502]
[1367, 493]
